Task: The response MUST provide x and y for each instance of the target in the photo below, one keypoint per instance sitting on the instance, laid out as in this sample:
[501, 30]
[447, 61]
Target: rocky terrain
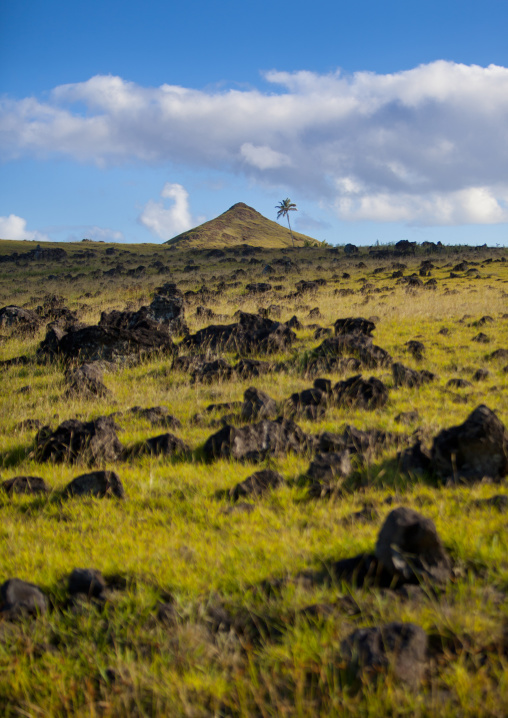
[247, 481]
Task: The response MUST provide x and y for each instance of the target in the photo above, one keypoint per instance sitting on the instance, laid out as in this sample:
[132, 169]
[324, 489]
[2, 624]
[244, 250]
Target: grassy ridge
[173, 540]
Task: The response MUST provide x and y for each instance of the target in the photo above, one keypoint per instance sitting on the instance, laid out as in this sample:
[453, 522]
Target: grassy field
[173, 542]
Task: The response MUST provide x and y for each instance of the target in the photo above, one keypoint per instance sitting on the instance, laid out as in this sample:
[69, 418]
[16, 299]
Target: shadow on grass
[385, 474]
[15, 456]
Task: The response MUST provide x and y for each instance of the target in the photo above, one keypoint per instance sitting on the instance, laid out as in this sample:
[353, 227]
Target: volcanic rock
[257, 405]
[258, 441]
[257, 484]
[360, 393]
[473, 450]
[251, 334]
[88, 581]
[25, 485]
[408, 544]
[401, 647]
[92, 442]
[23, 319]
[86, 382]
[19, 598]
[404, 376]
[99, 484]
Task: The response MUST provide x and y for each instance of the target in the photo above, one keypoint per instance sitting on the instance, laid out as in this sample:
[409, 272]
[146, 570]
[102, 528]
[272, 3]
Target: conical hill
[240, 224]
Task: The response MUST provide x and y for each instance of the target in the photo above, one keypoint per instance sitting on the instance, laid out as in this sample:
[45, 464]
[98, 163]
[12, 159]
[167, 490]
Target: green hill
[240, 224]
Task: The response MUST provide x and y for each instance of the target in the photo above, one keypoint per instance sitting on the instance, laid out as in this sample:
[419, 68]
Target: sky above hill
[130, 121]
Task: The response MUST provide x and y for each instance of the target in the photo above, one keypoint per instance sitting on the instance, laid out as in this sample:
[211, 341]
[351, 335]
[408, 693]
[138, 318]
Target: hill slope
[240, 224]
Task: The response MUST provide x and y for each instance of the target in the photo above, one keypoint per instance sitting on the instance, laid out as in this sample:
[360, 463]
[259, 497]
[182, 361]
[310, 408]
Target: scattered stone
[404, 376]
[24, 320]
[248, 368]
[257, 484]
[498, 354]
[251, 334]
[92, 442]
[481, 338]
[408, 544]
[88, 581]
[458, 383]
[364, 444]
[19, 598]
[417, 349]
[407, 417]
[99, 484]
[498, 502]
[357, 392]
[481, 375]
[257, 405]
[86, 382]
[400, 647]
[162, 445]
[324, 471]
[353, 325]
[473, 450]
[25, 485]
[258, 441]
[415, 460]
[157, 416]
[212, 372]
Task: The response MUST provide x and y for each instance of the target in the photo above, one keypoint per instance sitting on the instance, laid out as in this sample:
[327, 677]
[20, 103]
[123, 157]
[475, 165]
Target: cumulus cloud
[263, 157]
[166, 222]
[14, 227]
[427, 145]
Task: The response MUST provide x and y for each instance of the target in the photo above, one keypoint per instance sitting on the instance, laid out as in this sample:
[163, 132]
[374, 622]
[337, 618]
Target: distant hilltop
[240, 224]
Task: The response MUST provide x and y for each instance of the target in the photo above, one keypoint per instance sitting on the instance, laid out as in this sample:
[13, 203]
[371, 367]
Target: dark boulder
[248, 368]
[257, 484]
[408, 545]
[481, 338]
[25, 485]
[162, 445]
[86, 382]
[251, 334]
[325, 470]
[416, 348]
[157, 416]
[92, 442]
[19, 598]
[351, 325]
[473, 450]
[257, 441]
[99, 484]
[404, 376]
[212, 372]
[357, 392]
[257, 405]
[167, 308]
[23, 320]
[357, 345]
[258, 287]
[310, 403]
[458, 383]
[87, 581]
[119, 336]
[399, 647]
[363, 443]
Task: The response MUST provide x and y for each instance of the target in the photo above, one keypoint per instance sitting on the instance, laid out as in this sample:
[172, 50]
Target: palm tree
[284, 208]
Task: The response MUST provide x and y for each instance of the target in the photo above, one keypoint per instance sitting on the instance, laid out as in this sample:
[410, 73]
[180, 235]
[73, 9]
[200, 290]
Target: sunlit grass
[172, 536]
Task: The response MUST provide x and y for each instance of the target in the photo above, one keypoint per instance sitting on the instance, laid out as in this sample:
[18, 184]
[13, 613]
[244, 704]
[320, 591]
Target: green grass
[172, 539]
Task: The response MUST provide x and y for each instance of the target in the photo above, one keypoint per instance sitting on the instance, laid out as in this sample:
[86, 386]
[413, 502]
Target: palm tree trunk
[291, 233]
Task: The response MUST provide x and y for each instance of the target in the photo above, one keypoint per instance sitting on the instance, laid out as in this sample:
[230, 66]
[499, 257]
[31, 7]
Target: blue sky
[130, 121]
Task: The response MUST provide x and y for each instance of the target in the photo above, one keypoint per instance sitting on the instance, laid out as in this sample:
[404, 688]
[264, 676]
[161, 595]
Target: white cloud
[263, 157]
[14, 227]
[426, 145]
[166, 222]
